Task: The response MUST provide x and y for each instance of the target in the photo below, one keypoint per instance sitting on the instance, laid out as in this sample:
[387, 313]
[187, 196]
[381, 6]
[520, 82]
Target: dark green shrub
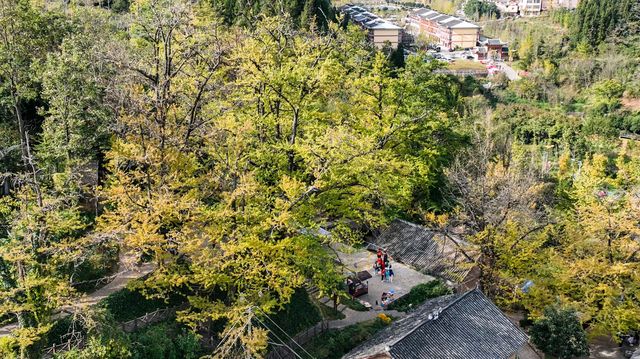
[418, 294]
[128, 304]
[299, 314]
[166, 340]
[560, 334]
[333, 344]
[99, 264]
[187, 345]
[153, 342]
[120, 6]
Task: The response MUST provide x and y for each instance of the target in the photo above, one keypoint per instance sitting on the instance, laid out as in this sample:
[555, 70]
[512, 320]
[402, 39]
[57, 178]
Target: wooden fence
[283, 352]
[69, 341]
[148, 319]
[75, 340]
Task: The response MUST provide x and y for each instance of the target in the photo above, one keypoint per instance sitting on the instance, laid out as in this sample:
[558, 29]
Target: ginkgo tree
[238, 146]
[600, 246]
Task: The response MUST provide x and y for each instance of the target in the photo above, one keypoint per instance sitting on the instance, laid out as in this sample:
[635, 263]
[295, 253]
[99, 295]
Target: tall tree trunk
[17, 110]
[292, 140]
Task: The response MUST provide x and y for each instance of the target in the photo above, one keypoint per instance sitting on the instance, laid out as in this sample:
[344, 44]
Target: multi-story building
[567, 4]
[449, 32]
[530, 7]
[507, 7]
[381, 32]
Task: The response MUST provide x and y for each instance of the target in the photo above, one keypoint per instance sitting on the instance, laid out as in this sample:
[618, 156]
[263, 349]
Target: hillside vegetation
[215, 140]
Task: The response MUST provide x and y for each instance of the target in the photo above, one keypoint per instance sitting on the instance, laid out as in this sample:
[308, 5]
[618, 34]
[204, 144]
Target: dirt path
[126, 273]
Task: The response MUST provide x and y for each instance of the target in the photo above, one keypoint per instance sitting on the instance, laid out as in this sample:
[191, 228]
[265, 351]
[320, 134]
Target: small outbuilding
[464, 326]
[357, 284]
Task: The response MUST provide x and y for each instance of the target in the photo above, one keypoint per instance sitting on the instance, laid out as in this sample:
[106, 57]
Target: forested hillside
[217, 142]
[595, 21]
[213, 150]
[303, 13]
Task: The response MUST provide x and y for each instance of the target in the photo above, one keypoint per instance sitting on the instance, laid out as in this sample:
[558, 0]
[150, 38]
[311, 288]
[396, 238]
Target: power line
[226, 335]
[285, 333]
[277, 337]
[270, 330]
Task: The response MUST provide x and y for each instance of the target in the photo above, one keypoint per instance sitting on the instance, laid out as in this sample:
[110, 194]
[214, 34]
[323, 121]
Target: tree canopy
[229, 144]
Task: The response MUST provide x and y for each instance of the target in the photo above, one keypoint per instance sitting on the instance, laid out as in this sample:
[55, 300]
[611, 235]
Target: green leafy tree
[304, 13]
[478, 9]
[27, 34]
[595, 20]
[559, 334]
[76, 120]
[226, 168]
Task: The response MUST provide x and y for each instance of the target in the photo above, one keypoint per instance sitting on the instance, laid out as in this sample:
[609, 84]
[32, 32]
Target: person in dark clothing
[386, 259]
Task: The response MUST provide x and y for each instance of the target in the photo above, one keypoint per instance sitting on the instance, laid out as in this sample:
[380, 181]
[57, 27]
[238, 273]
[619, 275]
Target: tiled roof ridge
[449, 305]
[431, 251]
[411, 223]
[427, 229]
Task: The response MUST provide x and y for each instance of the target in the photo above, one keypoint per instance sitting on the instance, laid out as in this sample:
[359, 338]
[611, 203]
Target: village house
[449, 32]
[434, 253]
[532, 7]
[463, 326]
[507, 7]
[381, 32]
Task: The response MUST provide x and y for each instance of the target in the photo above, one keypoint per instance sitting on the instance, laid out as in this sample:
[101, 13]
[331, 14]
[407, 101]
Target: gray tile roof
[426, 250]
[442, 18]
[468, 326]
[421, 11]
[453, 22]
[433, 16]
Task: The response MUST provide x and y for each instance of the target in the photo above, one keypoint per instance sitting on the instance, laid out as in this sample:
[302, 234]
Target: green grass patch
[333, 344]
[354, 304]
[419, 294]
[466, 65]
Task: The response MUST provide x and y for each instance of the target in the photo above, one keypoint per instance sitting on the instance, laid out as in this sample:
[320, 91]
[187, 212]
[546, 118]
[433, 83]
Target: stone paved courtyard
[361, 259]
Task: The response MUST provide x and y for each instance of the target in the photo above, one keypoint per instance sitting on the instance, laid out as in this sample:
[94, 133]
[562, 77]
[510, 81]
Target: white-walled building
[530, 7]
[568, 4]
[507, 7]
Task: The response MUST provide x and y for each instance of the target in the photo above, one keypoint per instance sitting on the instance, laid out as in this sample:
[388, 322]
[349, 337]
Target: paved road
[125, 274]
[512, 74]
